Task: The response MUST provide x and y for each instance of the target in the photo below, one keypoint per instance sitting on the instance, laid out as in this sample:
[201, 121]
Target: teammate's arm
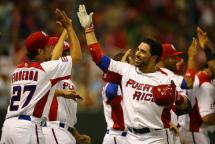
[102, 61]
[94, 47]
[174, 128]
[205, 44]
[110, 91]
[68, 94]
[209, 119]
[58, 49]
[182, 103]
[75, 48]
[81, 139]
[189, 76]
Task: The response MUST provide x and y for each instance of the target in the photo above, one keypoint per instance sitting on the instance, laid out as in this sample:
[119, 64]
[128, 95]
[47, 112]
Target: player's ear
[40, 51]
[154, 58]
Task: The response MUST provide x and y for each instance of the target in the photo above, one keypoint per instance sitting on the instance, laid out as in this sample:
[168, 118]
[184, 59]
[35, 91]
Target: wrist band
[190, 73]
[89, 29]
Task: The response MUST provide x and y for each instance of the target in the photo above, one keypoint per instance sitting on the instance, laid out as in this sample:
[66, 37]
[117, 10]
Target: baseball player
[199, 121]
[195, 125]
[144, 89]
[113, 111]
[62, 116]
[33, 85]
[168, 64]
[113, 108]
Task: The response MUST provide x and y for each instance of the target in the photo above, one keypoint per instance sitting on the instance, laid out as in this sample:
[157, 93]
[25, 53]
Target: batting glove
[85, 19]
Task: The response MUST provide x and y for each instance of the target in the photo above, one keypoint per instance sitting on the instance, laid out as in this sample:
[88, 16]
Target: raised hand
[84, 18]
[193, 48]
[202, 37]
[127, 57]
[63, 19]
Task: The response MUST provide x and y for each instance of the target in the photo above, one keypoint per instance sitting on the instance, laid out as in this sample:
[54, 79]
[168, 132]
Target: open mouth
[137, 59]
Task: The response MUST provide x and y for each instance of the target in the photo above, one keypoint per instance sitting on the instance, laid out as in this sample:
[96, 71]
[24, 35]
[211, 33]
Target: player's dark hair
[118, 56]
[66, 52]
[209, 54]
[32, 55]
[155, 47]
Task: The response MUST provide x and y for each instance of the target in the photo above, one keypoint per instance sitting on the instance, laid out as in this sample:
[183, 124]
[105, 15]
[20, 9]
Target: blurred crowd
[120, 24]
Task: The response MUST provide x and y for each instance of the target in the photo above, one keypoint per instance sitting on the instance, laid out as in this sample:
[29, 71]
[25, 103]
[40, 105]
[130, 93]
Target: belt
[142, 130]
[122, 133]
[32, 118]
[70, 129]
[62, 125]
[24, 117]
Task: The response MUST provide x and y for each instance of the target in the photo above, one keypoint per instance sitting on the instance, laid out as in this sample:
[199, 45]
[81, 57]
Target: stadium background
[119, 24]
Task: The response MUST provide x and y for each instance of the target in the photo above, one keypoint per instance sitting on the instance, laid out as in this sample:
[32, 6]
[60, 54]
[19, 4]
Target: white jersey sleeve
[118, 67]
[58, 68]
[117, 70]
[206, 99]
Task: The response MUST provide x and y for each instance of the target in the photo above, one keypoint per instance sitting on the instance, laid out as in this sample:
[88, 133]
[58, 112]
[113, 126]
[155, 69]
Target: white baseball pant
[115, 137]
[58, 135]
[20, 131]
[188, 137]
[153, 137]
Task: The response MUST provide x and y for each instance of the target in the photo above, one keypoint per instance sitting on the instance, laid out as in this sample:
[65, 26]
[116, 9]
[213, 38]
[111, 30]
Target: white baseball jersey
[140, 109]
[113, 111]
[32, 86]
[62, 109]
[202, 99]
[192, 129]
[176, 78]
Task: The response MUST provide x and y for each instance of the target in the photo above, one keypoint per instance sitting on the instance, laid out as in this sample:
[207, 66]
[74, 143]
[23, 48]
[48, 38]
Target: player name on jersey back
[31, 75]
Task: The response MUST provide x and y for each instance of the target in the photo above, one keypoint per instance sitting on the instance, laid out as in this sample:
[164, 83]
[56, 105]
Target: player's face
[170, 63]
[142, 55]
[211, 66]
[179, 66]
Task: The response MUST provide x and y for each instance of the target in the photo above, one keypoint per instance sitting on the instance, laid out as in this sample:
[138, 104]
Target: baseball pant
[58, 135]
[114, 137]
[172, 135]
[18, 131]
[188, 137]
[154, 137]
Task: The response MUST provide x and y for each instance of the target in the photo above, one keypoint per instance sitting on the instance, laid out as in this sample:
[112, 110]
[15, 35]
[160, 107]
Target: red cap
[169, 51]
[53, 41]
[36, 40]
[65, 45]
